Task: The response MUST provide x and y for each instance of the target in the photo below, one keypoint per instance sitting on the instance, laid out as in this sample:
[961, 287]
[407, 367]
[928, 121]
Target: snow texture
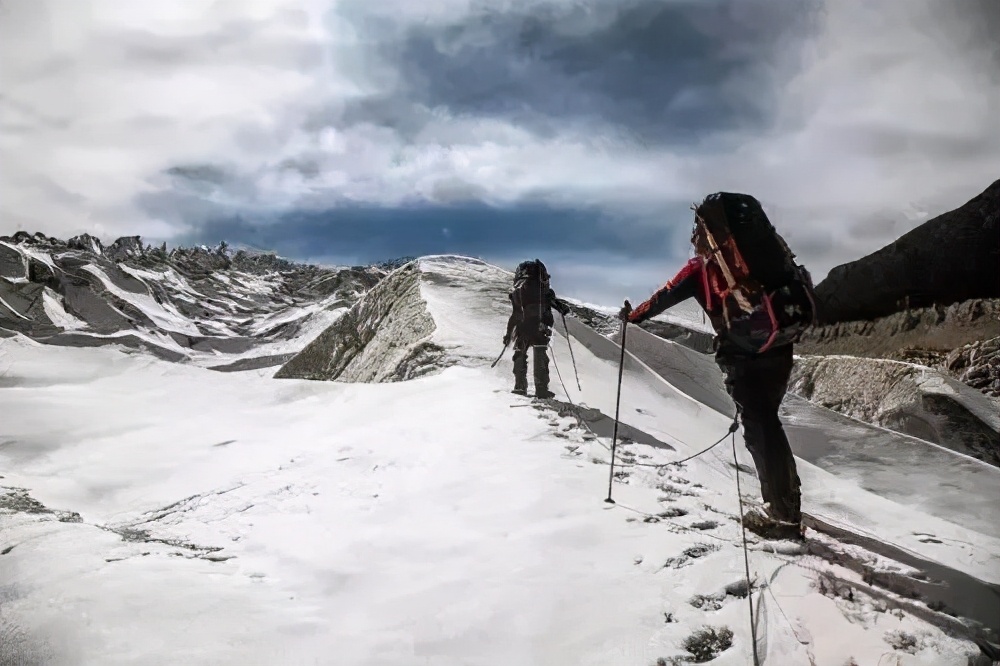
[172, 515]
[204, 306]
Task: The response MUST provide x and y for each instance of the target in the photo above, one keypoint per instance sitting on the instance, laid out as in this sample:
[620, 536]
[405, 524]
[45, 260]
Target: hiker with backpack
[530, 325]
[759, 301]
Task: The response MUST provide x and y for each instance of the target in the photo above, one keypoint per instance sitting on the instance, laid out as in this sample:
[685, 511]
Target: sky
[576, 131]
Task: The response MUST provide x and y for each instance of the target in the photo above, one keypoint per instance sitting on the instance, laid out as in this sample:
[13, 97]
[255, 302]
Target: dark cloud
[668, 71]
[200, 173]
[375, 233]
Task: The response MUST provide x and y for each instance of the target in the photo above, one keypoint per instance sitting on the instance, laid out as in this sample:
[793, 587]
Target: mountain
[952, 258]
[211, 306]
[413, 510]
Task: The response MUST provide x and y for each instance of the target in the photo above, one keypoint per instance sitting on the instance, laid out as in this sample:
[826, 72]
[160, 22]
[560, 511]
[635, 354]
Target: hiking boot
[519, 391]
[544, 394]
[770, 528]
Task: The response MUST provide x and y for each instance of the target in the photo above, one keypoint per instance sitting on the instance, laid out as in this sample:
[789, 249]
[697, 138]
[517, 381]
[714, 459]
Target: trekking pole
[571, 357]
[618, 401]
[502, 352]
[746, 555]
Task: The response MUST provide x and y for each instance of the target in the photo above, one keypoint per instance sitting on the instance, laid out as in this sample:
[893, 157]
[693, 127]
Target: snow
[29, 252]
[57, 314]
[163, 315]
[438, 520]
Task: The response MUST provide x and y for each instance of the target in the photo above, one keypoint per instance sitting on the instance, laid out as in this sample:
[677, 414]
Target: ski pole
[502, 352]
[571, 357]
[618, 401]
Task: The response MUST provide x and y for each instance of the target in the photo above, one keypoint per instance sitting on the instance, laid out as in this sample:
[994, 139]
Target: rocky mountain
[212, 306]
[952, 258]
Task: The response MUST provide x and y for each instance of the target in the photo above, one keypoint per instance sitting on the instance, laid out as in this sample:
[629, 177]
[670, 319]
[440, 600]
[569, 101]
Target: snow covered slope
[429, 314]
[438, 520]
[212, 307]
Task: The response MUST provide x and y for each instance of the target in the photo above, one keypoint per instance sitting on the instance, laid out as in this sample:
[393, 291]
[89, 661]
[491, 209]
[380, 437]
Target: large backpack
[530, 292]
[767, 299]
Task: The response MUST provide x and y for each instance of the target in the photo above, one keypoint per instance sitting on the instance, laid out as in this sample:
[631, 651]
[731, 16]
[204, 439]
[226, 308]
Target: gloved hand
[562, 308]
[506, 339]
[626, 310]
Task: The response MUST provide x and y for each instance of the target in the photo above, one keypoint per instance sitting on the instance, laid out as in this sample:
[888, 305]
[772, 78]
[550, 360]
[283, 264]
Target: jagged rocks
[936, 329]
[126, 247]
[911, 399]
[383, 337]
[81, 293]
[87, 243]
[978, 365]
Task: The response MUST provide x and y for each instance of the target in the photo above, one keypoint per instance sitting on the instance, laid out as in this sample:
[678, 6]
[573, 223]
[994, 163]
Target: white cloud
[891, 109]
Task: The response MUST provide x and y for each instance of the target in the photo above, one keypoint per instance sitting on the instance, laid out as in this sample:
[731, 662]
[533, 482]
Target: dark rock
[87, 243]
[923, 329]
[11, 263]
[951, 258]
[126, 247]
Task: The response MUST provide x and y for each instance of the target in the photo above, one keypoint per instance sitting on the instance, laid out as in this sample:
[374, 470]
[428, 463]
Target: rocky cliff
[951, 258]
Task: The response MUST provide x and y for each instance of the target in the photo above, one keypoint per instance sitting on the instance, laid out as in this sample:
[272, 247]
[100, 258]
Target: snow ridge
[209, 306]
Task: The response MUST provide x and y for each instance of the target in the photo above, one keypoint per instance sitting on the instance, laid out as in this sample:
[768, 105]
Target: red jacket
[693, 280]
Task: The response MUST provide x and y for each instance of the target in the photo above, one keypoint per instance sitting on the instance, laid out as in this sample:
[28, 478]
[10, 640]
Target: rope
[746, 555]
[732, 429]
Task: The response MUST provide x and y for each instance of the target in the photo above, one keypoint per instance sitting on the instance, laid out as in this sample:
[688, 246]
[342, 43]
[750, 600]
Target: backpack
[530, 292]
[767, 299]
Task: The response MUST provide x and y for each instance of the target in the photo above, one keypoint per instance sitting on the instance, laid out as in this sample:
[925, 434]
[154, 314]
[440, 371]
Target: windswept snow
[230, 518]
[57, 314]
[219, 309]
[163, 315]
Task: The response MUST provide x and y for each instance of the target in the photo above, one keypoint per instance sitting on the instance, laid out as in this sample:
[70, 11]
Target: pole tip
[609, 501]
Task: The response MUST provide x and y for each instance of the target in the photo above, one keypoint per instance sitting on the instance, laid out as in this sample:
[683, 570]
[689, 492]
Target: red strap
[774, 324]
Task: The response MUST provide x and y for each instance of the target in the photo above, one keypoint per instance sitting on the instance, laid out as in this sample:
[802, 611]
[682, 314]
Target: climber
[530, 325]
[759, 301]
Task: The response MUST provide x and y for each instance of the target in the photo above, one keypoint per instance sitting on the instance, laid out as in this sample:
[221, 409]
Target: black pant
[530, 334]
[757, 385]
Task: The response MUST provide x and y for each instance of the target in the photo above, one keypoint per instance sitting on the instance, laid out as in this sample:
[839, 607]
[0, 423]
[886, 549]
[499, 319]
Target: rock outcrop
[978, 365]
[907, 398]
[952, 258]
[937, 329]
[384, 337]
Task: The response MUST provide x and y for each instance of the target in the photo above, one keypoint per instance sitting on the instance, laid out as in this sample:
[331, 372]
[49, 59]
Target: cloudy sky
[578, 131]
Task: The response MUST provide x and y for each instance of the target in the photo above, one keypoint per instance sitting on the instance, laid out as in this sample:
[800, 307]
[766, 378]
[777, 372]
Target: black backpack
[767, 299]
[530, 292]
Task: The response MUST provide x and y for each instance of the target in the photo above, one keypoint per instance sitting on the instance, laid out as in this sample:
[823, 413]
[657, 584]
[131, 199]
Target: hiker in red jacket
[753, 344]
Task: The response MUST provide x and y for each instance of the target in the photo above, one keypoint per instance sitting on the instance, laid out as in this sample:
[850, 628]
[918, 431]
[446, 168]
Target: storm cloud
[580, 129]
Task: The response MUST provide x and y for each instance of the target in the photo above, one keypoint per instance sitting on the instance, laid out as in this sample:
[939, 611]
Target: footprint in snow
[695, 552]
[713, 602]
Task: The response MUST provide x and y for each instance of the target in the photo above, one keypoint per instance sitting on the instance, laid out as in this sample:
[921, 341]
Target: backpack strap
[774, 323]
[733, 286]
